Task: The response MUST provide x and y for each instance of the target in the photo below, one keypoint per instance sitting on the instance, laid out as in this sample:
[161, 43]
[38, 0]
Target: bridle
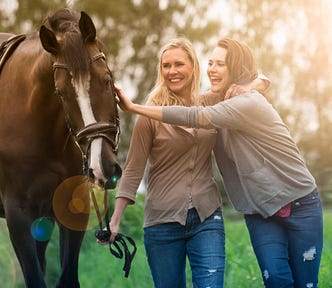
[83, 138]
[85, 135]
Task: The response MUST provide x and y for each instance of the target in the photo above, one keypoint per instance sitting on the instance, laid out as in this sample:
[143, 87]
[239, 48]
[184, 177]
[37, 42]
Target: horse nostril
[117, 172]
[111, 184]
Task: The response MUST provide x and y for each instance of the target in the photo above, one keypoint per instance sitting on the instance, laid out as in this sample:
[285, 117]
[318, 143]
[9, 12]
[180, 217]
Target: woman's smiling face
[177, 71]
[217, 70]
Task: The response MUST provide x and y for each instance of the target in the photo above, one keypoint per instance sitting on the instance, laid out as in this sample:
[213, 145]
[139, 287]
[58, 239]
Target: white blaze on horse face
[95, 160]
[83, 98]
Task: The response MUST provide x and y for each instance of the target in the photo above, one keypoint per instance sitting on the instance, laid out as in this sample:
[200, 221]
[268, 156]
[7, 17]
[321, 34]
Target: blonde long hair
[160, 94]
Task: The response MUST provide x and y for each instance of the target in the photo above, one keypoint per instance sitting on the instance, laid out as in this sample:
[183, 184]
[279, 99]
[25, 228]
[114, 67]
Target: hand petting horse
[59, 129]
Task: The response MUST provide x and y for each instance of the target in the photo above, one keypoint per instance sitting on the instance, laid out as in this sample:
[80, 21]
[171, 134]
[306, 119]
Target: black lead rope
[120, 239]
[129, 256]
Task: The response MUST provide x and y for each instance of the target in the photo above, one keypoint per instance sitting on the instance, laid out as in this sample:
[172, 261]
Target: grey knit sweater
[260, 163]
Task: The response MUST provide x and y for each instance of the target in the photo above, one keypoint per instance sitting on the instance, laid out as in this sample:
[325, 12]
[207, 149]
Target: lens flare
[114, 179]
[73, 206]
[41, 229]
[76, 205]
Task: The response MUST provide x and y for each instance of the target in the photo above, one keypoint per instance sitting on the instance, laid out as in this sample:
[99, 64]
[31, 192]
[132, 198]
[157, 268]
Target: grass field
[98, 268]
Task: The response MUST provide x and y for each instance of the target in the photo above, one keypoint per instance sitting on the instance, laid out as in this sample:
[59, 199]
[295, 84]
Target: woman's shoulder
[251, 96]
[209, 98]
[144, 122]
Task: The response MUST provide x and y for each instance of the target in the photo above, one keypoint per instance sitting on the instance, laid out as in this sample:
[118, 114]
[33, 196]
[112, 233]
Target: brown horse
[58, 119]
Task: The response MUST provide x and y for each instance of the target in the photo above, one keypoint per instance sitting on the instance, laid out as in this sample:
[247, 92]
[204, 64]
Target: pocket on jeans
[216, 213]
[310, 199]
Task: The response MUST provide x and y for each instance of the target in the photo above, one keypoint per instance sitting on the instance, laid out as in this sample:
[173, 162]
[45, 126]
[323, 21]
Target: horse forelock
[62, 21]
[65, 25]
[76, 56]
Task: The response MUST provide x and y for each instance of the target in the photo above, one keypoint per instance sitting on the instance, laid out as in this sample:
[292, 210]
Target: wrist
[134, 108]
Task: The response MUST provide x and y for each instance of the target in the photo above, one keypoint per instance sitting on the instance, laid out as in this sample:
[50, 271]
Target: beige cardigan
[179, 171]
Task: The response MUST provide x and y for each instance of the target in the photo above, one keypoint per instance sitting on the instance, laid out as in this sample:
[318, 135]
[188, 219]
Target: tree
[292, 41]
[28, 15]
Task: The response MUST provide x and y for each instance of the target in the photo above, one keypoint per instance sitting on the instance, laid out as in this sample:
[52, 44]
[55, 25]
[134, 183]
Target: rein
[120, 239]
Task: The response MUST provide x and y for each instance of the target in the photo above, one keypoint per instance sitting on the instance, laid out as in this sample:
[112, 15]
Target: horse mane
[65, 24]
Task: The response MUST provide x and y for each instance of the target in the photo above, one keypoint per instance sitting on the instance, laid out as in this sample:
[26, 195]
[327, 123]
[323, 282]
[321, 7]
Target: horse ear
[48, 40]
[87, 28]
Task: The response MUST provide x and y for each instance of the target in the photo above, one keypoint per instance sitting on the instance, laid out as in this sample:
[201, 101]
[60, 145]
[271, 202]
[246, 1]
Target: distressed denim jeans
[167, 246]
[289, 249]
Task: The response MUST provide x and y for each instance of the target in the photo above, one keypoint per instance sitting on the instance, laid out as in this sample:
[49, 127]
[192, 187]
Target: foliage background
[291, 40]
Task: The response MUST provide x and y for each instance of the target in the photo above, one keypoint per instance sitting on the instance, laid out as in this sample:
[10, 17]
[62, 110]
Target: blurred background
[291, 40]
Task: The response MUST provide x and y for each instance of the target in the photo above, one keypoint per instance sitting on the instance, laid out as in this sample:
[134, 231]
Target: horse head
[85, 85]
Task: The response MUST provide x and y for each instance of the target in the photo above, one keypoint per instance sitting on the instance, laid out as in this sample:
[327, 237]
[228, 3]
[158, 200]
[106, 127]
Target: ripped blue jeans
[289, 249]
[167, 246]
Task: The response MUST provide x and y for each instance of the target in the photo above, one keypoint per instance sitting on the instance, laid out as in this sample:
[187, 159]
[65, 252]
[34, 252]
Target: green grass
[241, 266]
[99, 268]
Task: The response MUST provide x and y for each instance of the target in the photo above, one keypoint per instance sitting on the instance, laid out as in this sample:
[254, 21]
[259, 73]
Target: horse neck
[38, 76]
[27, 78]
[41, 101]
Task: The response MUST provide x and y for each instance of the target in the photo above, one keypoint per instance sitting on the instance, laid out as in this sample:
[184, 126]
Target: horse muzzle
[102, 164]
[99, 153]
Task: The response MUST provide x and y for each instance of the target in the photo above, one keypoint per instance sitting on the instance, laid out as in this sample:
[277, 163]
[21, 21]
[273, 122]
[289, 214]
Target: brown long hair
[240, 62]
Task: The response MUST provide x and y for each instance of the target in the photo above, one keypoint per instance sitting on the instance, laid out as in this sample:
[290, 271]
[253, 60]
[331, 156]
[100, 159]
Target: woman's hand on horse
[124, 103]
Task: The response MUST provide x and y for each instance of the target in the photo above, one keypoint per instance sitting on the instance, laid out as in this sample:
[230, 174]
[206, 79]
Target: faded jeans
[289, 249]
[167, 246]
